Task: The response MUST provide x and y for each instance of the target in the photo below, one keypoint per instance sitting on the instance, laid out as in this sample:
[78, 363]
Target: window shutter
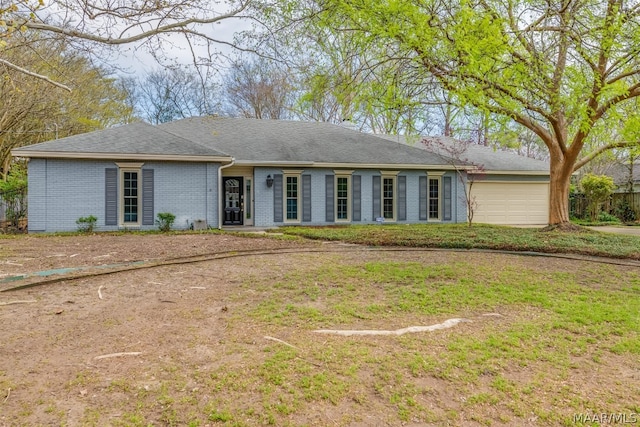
[277, 198]
[423, 198]
[356, 197]
[306, 198]
[329, 199]
[111, 196]
[376, 198]
[402, 198]
[147, 197]
[446, 183]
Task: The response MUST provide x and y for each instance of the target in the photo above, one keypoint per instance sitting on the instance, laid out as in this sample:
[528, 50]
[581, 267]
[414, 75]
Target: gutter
[220, 191]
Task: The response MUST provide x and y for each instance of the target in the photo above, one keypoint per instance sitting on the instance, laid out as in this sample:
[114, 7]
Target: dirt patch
[185, 344]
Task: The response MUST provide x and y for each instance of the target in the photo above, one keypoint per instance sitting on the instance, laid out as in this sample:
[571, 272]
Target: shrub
[625, 212]
[165, 221]
[607, 217]
[597, 188]
[14, 192]
[86, 224]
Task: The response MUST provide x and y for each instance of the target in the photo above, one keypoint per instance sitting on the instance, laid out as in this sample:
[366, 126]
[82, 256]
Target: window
[248, 198]
[343, 195]
[433, 199]
[130, 203]
[292, 197]
[389, 195]
[388, 185]
[131, 194]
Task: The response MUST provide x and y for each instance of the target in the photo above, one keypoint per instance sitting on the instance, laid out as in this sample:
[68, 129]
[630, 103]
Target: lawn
[586, 242]
[234, 341]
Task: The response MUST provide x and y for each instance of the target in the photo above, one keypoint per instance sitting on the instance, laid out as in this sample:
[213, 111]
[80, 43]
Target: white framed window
[434, 197]
[130, 212]
[343, 196]
[292, 183]
[389, 195]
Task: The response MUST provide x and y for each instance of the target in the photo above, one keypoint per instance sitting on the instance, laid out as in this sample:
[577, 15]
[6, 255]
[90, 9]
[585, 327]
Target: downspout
[221, 190]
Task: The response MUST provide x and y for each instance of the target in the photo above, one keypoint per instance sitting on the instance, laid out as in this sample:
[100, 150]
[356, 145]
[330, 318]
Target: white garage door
[511, 203]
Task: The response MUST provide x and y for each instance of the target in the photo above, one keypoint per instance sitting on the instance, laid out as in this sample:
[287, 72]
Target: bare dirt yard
[218, 329]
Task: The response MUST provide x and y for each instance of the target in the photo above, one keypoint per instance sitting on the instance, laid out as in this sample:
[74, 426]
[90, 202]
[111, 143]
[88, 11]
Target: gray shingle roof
[478, 155]
[253, 140]
[262, 141]
[134, 138]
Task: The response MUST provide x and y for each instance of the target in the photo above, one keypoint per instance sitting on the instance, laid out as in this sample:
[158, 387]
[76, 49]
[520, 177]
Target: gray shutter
[446, 183]
[402, 198]
[356, 198]
[147, 197]
[277, 198]
[329, 199]
[423, 198]
[377, 213]
[111, 196]
[306, 198]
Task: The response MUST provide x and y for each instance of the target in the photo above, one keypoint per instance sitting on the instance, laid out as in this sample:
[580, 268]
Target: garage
[511, 203]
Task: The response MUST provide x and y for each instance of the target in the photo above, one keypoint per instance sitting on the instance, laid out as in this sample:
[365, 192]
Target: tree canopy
[33, 111]
[567, 71]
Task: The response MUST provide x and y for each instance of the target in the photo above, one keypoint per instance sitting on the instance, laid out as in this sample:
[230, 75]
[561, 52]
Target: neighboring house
[626, 176]
[229, 172]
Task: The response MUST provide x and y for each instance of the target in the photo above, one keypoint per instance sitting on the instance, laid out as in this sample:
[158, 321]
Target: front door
[233, 201]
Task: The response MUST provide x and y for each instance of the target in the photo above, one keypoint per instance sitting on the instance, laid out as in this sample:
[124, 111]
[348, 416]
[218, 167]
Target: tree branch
[32, 74]
[178, 26]
[586, 159]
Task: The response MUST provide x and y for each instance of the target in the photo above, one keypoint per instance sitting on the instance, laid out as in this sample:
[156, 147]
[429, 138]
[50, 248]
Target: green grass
[461, 236]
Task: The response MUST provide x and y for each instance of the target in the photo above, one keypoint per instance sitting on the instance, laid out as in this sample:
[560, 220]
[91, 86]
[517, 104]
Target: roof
[268, 142]
[258, 141]
[620, 172]
[132, 141]
[489, 159]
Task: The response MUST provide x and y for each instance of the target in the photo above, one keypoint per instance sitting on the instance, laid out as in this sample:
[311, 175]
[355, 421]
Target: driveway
[631, 231]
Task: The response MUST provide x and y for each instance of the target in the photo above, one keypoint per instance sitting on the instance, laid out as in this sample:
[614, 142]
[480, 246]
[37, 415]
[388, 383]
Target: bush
[165, 221]
[597, 188]
[607, 217]
[14, 192]
[86, 224]
[625, 212]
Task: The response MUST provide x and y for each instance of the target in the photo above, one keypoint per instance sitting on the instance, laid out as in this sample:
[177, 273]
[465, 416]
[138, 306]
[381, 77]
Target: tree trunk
[560, 181]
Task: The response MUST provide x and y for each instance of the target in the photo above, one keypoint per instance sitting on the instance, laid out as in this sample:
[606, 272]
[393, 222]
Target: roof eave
[118, 156]
[513, 172]
[329, 165]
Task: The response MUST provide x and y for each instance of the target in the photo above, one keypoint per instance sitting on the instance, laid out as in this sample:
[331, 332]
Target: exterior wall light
[269, 181]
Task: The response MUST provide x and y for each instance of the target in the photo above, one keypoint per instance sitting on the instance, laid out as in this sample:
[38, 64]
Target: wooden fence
[621, 205]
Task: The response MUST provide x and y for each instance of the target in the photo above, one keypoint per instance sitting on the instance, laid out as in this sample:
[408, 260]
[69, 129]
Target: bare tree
[169, 94]
[454, 152]
[97, 25]
[258, 89]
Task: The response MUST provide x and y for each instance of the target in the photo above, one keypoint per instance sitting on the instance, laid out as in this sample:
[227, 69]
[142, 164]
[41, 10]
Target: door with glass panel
[233, 201]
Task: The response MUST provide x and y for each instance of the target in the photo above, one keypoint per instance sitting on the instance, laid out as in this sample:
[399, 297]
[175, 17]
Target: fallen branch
[7, 398]
[100, 292]
[411, 329]
[107, 356]
[18, 302]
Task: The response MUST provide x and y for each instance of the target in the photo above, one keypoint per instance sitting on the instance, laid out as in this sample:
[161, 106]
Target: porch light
[269, 181]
